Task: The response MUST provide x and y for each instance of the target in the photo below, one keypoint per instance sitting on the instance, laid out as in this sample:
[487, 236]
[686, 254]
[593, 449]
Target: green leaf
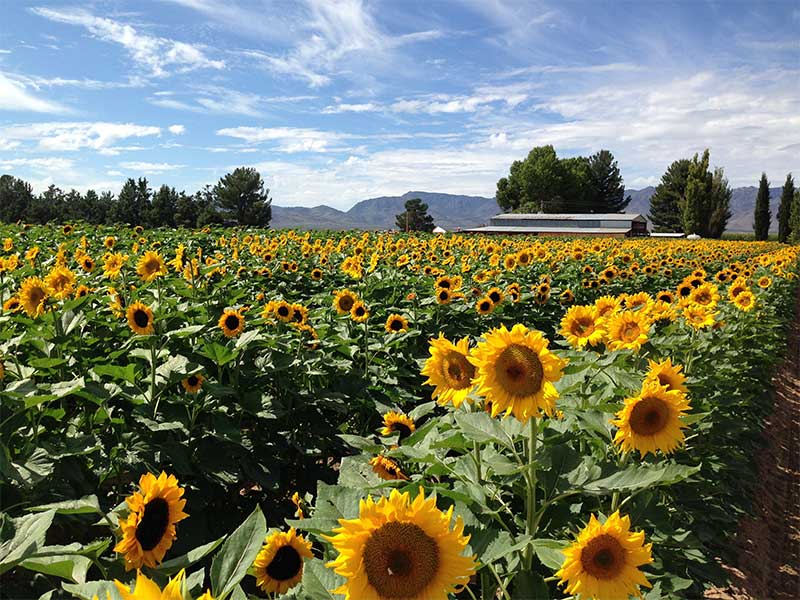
[529, 586]
[90, 589]
[28, 536]
[172, 566]
[83, 506]
[218, 353]
[549, 552]
[237, 554]
[51, 560]
[637, 477]
[126, 373]
[318, 581]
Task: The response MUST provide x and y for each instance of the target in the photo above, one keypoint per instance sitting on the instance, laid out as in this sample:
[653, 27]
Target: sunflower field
[231, 413]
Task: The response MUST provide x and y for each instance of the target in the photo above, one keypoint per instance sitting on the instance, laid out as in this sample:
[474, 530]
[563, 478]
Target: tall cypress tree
[794, 219]
[762, 212]
[606, 189]
[785, 209]
[664, 211]
[693, 205]
[720, 205]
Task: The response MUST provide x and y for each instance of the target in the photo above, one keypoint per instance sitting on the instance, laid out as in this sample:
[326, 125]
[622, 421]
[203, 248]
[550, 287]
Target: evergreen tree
[16, 197]
[785, 209]
[606, 188]
[47, 207]
[241, 196]
[185, 211]
[794, 219]
[664, 212]
[415, 217]
[162, 208]
[720, 203]
[693, 205]
[762, 212]
[133, 202]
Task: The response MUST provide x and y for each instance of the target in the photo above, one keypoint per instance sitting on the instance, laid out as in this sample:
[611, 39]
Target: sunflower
[33, 294]
[231, 322]
[496, 295]
[12, 304]
[279, 565]
[582, 325]
[149, 530]
[396, 324]
[82, 291]
[566, 297]
[87, 264]
[607, 305]
[283, 310]
[193, 383]
[738, 286]
[443, 296]
[667, 374]
[150, 266]
[395, 422]
[113, 263]
[344, 300]
[665, 296]
[401, 548]
[146, 589]
[516, 371]
[764, 282]
[698, 316]
[140, 318]
[109, 242]
[651, 420]
[61, 282]
[359, 313]
[745, 301]
[484, 306]
[386, 468]
[602, 563]
[627, 330]
[450, 370]
[316, 274]
[705, 295]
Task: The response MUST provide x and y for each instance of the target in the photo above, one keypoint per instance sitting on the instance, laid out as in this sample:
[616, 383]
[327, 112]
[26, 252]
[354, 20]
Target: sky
[336, 101]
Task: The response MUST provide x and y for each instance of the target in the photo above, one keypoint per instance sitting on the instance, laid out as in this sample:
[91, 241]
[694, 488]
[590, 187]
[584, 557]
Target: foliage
[698, 188]
[665, 212]
[240, 196]
[762, 212]
[415, 217]
[794, 219]
[785, 226]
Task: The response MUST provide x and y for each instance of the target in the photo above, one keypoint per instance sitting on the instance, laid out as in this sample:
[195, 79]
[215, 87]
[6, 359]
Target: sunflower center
[403, 429]
[285, 565]
[36, 295]
[346, 303]
[664, 379]
[140, 318]
[154, 523]
[629, 332]
[582, 326]
[360, 311]
[519, 370]
[232, 322]
[457, 370]
[495, 297]
[649, 416]
[603, 557]
[192, 380]
[400, 560]
[703, 298]
[396, 325]
[283, 311]
[151, 266]
[485, 305]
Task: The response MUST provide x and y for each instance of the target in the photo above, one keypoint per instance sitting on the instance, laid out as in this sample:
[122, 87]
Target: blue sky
[337, 101]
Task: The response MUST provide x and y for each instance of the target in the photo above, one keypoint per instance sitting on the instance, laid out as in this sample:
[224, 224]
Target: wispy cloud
[14, 97]
[156, 54]
[287, 139]
[74, 136]
[148, 167]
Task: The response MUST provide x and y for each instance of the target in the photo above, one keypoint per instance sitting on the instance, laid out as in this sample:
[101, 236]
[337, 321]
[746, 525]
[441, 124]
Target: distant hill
[452, 211]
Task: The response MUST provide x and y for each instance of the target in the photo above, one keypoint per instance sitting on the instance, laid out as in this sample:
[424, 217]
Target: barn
[560, 224]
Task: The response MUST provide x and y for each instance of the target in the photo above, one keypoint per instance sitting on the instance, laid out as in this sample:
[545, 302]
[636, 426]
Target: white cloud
[47, 164]
[211, 100]
[14, 97]
[38, 83]
[148, 167]
[559, 69]
[342, 108]
[115, 173]
[74, 136]
[177, 129]
[444, 103]
[156, 54]
[287, 139]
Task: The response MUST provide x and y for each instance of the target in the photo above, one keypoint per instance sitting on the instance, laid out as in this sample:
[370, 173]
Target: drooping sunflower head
[627, 330]
[745, 301]
[395, 422]
[231, 322]
[279, 565]
[582, 325]
[515, 371]
[193, 383]
[566, 297]
[149, 530]
[140, 318]
[603, 562]
[150, 266]
[638, 301]
[450, 370]
[651, 421]
[359, 313]
[667, 374]
[396, 324]
[147, 589]
[387, 468]
[401, 548]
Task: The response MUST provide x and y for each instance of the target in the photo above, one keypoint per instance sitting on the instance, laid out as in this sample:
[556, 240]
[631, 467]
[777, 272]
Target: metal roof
[572, 216]
[534, 229]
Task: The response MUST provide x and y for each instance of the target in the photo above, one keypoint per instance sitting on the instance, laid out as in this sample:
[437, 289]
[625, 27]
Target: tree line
[238, 198]
[788, 211]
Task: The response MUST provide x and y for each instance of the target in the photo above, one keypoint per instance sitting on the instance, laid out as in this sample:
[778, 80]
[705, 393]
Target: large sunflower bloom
[652, 420]
[665, 373]
[516, 371]
[61, 282]
[231, 322]
[449, 370]
[140, 318]
[344, 300]
[279, 565]
[150, 266]
[582, 325]
[745, 301]
[627, 330]
[33, 294]
[401, 548]
[146, 589]
[603, 562]
[149, 530]
[396, 324]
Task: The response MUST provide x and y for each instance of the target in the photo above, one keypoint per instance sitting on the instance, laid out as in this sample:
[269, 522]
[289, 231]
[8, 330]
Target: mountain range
[453, 211]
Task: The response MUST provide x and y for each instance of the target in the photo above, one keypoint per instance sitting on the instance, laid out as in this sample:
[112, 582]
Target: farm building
[555, 224]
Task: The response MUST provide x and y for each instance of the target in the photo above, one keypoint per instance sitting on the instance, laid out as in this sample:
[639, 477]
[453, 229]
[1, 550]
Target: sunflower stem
[476, 451]
[153, 354]
[530, 524]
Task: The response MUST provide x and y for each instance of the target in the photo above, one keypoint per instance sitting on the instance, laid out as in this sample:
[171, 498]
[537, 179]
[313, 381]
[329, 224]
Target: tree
[47, 207]
[762, 212]
[415, 217]
[133, 202]
[785, 209]
[694, 204]
[720, 204]
[16, 196]
[606, 188]
[185, 211]
[162, 208]
[537, 184]
[241, 196]
[794, 219]
[665, 213]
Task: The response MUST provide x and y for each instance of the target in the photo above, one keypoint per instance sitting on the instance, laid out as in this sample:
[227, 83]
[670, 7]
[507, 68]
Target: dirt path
[769, 541]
